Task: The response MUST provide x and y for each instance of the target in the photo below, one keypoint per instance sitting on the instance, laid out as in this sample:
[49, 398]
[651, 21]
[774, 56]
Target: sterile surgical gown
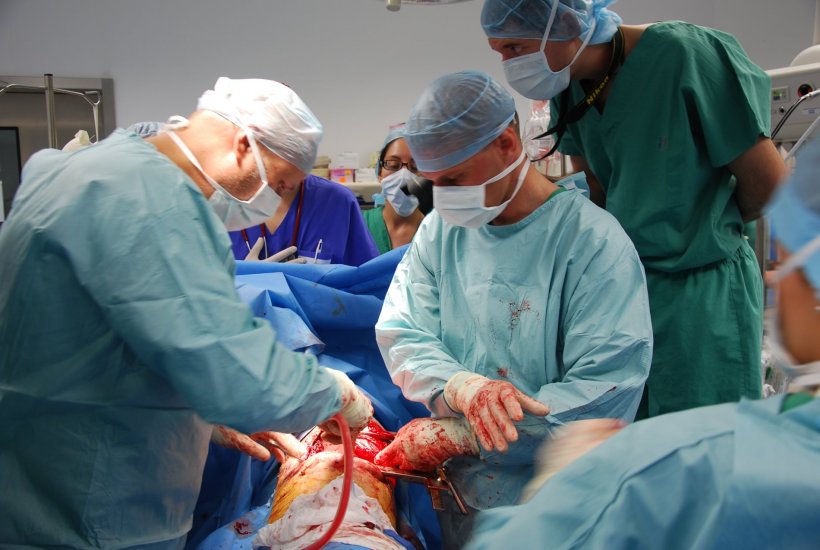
[739, 475]
[330, 213]
[122, 338]
[555, 304]
[686, 103]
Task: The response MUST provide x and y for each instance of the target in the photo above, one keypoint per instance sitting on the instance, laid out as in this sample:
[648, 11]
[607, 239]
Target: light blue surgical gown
[555, 304]
[720, 477]
[122, 339]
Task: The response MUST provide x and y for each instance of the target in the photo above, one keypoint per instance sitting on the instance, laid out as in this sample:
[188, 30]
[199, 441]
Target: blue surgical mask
[463, 205]
[402, 203]
[806, 375]
[531, 76]
[235, 213]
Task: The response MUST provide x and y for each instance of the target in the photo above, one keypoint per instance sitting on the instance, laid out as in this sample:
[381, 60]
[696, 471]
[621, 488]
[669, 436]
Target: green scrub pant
[708, 327]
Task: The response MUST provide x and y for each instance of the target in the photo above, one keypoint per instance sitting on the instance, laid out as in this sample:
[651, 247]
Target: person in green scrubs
[395, 223]
[670, 123]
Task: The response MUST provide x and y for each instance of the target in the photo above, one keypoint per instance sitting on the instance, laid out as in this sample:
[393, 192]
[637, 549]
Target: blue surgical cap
[529, 18]
[395, 133]
[795, 209]
[457, 116]
[146, 129]
[275, 114]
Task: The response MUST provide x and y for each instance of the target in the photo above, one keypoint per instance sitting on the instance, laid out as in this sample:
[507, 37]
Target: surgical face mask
[806, 375]
[463, 205]
[530, 75]
[235, 213]
[403, 204]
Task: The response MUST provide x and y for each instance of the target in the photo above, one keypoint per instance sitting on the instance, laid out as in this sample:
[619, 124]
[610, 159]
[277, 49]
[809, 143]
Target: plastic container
[343, 175]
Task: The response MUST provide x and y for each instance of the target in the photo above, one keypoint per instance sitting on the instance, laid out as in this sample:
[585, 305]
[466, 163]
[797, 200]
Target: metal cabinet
[44, 111]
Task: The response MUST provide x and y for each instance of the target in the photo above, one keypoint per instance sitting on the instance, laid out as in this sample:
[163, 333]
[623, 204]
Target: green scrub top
[374, 219]
[686, 102]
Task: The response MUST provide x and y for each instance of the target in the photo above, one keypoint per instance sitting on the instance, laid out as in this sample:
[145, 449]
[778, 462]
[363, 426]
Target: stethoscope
[264, 228]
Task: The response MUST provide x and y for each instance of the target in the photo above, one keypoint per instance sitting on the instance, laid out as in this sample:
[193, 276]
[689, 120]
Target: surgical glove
[259, 445]
[232, 439]
[491, 407]
[281, 256]
[253, 253]
[282, 445]
[425, 443]
[80, 141]
[356, 407]
[567, 444]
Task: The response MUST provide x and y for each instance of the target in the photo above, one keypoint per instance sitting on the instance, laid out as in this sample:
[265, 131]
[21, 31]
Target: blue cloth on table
[328, 310]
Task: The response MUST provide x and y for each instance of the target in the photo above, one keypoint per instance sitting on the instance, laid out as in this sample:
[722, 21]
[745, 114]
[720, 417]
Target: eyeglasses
[393, 165]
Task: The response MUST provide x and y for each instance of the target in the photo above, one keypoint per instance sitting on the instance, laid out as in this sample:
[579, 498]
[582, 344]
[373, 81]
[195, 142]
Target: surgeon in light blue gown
[122, 338]
[515, 295]
[742, 475]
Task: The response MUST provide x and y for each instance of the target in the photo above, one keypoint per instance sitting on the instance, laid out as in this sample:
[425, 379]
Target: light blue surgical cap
[395, 133]
[457, 116]
[795, 209]
[147, 128]
[529, 18]
[278, 117]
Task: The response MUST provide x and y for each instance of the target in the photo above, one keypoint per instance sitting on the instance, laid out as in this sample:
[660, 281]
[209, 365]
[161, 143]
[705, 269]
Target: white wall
[358, 66]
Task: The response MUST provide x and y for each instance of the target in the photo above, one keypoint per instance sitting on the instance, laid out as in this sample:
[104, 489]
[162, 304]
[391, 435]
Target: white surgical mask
[463, 205]
[531, 76]
[235, 213]
[402, 203]
[806, 375]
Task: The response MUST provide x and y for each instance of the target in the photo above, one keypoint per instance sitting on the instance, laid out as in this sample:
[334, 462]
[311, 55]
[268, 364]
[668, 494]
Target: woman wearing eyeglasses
[394, 224]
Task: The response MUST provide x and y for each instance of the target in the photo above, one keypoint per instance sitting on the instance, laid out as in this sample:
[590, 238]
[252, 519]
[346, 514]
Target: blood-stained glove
[356, 407]
[567, 444]
[258, 445]
[425, 443]
[279, 257]
[491, 407]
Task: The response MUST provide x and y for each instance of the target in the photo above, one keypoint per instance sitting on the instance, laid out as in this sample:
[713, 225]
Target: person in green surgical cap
[670, 122]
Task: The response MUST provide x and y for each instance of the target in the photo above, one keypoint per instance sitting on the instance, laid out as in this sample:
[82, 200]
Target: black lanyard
[573, 115]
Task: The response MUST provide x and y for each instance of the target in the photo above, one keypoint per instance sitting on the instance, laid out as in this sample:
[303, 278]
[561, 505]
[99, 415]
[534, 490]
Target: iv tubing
[347, 481]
